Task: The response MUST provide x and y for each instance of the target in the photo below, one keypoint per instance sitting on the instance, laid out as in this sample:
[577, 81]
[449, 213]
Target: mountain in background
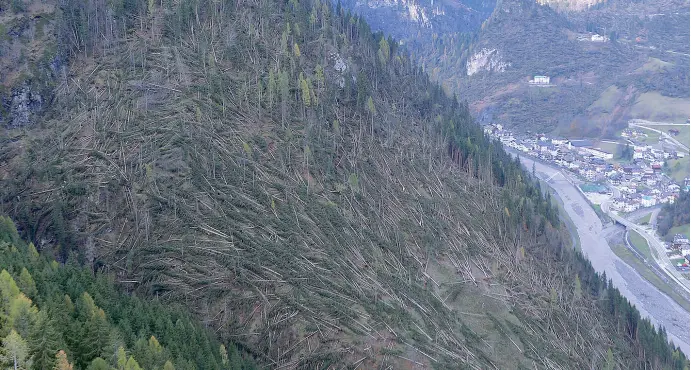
[413, 21]
[608, 62]
[298, 183]
[605, 67]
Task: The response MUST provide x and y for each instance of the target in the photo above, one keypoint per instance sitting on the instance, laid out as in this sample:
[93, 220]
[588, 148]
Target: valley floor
[660, 308]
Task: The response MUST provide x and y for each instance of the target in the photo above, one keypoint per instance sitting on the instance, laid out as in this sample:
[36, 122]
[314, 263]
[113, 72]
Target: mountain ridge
[492, 64]
[306, 189]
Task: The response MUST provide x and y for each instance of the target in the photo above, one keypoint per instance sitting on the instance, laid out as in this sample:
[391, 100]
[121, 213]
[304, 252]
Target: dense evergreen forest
[62, 317]
[300, 185]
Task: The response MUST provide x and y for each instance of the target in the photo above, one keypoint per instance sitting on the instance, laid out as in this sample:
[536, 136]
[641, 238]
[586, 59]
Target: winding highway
[659, 253]
[639, 123]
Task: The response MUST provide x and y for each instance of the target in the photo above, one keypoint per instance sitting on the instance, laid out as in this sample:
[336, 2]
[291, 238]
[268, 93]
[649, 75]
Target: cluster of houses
[640, 182]
[634, 133]
[678, 251]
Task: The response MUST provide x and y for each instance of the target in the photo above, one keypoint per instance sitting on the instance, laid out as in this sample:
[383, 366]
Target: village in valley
[643, 168]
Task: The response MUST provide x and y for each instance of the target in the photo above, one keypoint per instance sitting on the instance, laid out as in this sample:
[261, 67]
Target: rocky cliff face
[30, 61]
[573, 5]
[419, 20]
[23, 104]
[489, 60]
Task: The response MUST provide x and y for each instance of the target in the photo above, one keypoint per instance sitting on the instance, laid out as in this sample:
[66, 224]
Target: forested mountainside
[641, 69]
[300, 185]
[62, 317]
[596, 86]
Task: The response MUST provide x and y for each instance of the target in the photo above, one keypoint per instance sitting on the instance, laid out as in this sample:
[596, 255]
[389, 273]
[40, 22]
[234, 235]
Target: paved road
[653, 304]
[674, 141]
[638, 214]
[654, 123]
[660, 253]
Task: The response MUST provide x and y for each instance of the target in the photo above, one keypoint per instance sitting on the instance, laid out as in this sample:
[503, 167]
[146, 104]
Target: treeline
[65, 317]
[675, 214]
[652, 348]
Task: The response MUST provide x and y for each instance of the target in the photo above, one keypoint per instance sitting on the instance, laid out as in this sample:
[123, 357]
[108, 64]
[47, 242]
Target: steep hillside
[571, 5]
[587, 48]
[418, 22]
[56, 317]
[436, 34]
[29, 60]
[304, 188]
[530, 40]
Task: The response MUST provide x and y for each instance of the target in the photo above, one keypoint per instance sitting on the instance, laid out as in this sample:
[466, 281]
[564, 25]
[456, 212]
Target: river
[652, 303]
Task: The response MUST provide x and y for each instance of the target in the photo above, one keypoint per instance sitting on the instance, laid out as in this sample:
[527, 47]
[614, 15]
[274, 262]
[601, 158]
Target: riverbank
[648, 270]
[660, 308]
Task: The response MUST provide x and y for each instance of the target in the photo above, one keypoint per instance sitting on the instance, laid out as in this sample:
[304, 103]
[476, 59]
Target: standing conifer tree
[15, 352]
[44, 342]
[271, 88]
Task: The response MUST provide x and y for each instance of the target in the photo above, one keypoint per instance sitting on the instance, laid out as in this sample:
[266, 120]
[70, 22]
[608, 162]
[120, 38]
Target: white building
[626, 189]
[619, 204]
[589, 173]
[647, 201]
[540, 80]
[522, 147]
[598, 38]
[598, 153]
[631, 206]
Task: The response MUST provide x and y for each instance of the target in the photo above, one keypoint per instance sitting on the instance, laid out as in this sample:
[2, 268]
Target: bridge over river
[660, 308]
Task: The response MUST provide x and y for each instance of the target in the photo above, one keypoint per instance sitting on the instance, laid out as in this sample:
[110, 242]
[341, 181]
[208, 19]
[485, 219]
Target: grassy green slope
[656, 107]
[640, 244]
[218, 154]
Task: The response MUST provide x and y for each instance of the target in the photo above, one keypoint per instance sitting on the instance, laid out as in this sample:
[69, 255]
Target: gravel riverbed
[652, 303]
